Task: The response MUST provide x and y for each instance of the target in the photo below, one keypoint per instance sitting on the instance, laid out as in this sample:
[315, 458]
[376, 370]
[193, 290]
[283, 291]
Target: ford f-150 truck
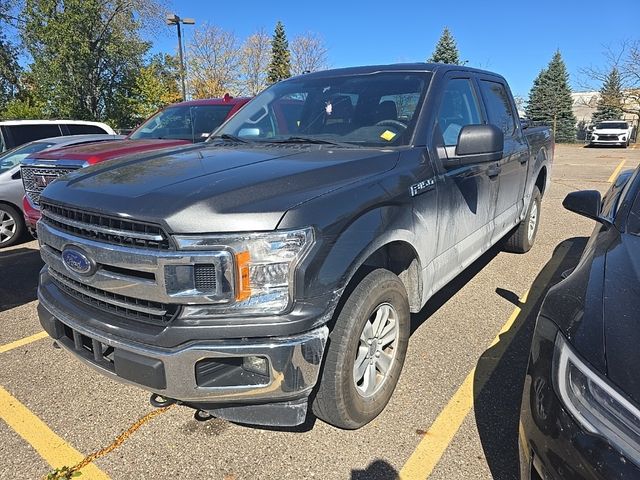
[276, 266]
[179, 124]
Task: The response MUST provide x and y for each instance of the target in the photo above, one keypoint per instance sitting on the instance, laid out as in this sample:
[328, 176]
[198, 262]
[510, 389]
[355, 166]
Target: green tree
[446, 50]
[156, 86]
[550, 100]
[9, 67]
[280, 66]
[86, 55]
[610, 102]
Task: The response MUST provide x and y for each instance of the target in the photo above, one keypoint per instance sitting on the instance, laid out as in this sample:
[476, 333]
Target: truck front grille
[103, 228]
[131, 308]
[35, 179]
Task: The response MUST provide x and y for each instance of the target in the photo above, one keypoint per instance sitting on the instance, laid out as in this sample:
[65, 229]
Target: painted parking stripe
[52, 448]
[23, 341]
[616, 172]
[436, 440]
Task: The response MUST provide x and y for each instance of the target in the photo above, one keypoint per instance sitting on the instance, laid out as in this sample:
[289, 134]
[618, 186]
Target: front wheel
[11, 225]
[366, 352]
[524, 236]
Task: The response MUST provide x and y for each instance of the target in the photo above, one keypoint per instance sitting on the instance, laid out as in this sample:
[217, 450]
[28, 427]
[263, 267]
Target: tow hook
[159, 401]
[202, 415]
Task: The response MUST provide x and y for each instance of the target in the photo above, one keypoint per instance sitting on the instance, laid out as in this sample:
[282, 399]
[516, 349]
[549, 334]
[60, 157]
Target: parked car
[611, 132]
[176, 125]
[285, 254]
[12, 223]
[14, 133]
[580, 415]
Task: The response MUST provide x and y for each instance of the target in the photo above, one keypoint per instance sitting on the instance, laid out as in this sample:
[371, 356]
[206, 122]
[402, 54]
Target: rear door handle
[493, 171]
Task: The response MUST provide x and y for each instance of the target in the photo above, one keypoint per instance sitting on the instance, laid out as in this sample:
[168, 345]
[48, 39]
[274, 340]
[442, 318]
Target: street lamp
[174, 19]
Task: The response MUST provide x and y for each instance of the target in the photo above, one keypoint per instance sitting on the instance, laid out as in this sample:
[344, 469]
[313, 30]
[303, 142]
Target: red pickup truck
[175, 125]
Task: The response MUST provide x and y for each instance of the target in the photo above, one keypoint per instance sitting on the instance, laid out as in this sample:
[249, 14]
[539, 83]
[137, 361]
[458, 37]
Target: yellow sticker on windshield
[387, 135]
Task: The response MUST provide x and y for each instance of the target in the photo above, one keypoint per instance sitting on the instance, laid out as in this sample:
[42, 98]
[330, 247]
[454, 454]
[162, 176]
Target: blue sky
[515, 38]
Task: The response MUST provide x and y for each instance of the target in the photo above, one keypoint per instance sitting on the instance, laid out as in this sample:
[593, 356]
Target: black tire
[519, 241]
[338, 400]
[7, 214]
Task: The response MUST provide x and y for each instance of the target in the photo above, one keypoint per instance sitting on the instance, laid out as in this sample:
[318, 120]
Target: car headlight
[264, 268]
[594, 402]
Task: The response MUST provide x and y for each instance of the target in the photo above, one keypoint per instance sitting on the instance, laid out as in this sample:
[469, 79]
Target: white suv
[611, 132]
[14, 133]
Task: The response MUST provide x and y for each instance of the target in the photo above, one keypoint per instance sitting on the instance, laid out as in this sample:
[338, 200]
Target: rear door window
[79, 129]
[459, 108]
[498, 105]
[28, 133]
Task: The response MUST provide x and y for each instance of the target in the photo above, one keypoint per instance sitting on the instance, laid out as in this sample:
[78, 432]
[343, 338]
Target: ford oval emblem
[77, 261]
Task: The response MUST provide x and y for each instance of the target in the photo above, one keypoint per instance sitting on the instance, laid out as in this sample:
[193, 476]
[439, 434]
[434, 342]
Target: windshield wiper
[228, 136]
[318, 141]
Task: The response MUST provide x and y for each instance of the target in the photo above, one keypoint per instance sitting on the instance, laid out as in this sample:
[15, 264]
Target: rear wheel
[11, 226]
[366, 352]
[524, 236]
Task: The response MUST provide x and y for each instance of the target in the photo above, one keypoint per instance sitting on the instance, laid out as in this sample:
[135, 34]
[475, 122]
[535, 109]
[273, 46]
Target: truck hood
[217, 188]
[622, 315]
[99, 152]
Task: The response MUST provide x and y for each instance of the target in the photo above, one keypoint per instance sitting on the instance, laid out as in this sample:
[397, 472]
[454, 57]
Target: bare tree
[214, 60]
[308, 54]
[254, 62]
[626, 59]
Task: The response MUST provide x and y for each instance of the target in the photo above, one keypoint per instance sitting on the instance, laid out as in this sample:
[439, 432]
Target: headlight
[264, 267]
[594, 403]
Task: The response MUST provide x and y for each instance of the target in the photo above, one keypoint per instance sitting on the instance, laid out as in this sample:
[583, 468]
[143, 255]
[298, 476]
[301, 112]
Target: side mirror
[587, 203]
[476, 144]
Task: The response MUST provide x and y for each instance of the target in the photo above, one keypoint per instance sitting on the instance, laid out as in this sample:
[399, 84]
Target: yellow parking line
[616, 172]
[23, 341]
[431, 448]
[49, 446]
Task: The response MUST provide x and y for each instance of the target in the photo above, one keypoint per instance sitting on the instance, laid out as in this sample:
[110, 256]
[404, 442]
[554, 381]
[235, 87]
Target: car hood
[610, 131]
[622, 314]
[217, 188]
[99, 152]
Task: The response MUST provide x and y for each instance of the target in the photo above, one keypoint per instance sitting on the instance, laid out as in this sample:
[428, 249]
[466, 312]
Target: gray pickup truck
[275, 267]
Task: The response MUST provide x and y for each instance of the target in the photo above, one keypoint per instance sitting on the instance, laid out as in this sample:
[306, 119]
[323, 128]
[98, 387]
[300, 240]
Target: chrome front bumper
[293, 362]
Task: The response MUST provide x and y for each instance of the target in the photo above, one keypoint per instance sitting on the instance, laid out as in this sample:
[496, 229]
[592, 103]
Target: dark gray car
[11, 190]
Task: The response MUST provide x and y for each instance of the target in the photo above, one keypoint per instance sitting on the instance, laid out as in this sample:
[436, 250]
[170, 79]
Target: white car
[14, 133]
[611, 132]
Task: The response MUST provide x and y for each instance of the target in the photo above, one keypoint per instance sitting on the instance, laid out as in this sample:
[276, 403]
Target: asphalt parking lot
[453, 416]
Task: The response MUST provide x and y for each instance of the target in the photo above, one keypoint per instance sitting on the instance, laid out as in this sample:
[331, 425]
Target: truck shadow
[448, 291]
[500, 371]
[19, 277]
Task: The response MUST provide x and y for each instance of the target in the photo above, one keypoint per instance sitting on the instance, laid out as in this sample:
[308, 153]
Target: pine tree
[446, 50]
[610, 101]
[550, 100]
[280, 66]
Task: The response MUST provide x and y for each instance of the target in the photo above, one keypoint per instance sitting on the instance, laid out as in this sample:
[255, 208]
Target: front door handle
[493, 171]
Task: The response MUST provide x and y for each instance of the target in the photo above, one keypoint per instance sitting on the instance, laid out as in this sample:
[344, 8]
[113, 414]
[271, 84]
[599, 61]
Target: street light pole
[176, 20]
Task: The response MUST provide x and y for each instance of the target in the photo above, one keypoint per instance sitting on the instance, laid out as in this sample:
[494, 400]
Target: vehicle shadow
[377, 470]
[18, 277]
[444, 295]
[500, 371]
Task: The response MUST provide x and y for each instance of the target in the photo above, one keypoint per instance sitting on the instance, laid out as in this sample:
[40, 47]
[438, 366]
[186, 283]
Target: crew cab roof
[226, 100]
[394, 67]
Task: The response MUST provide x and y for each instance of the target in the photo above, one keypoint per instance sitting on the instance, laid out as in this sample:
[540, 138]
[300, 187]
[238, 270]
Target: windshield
[10, 159]
[183, 122]
[378, 109]
[612, 126]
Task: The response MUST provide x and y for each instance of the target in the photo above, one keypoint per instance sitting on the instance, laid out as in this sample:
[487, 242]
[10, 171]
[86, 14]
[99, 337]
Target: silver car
[12, 226]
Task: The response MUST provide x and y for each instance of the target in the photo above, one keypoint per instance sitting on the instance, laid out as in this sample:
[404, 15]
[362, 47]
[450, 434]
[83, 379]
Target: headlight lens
[594, 403]
[264, 268]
